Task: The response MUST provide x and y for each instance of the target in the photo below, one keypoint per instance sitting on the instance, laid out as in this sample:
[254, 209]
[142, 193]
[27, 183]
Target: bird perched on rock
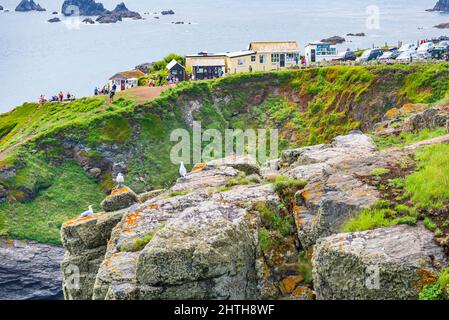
[87, 213]
[182, 170]
[120, 179]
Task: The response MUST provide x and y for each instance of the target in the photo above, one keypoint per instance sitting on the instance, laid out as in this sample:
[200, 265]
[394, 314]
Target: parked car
[371, 54]
[407, 56]
[407, 47]
[439, 53]
[346, 56]
[389, 55]
[426, 47]
[423, 55]
[444, 45]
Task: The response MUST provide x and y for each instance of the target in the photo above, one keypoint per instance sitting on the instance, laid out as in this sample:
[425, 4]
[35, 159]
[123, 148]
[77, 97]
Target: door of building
[313, 55]
[282, 60]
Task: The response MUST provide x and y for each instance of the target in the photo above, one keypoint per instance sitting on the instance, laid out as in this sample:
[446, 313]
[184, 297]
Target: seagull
[120, 179]
[182, 170]
[87, 213]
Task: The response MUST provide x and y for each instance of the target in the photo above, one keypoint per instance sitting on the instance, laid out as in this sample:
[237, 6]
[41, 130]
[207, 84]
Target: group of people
[58, 97]
[106, 91]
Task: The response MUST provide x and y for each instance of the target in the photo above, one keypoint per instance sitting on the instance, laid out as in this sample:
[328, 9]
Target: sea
[38, 57]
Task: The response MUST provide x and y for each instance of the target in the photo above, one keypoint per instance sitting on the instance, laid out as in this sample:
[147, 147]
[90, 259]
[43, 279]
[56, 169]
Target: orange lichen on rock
[290, 283]
[153, 206]
[116, 192]
[392, 113]
[425, 278]
[199, 167]
[77, 220]
[303, 293]
[131, 220]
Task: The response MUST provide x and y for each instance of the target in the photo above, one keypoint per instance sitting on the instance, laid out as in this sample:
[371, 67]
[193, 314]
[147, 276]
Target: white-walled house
[126, 79]
[320, 51]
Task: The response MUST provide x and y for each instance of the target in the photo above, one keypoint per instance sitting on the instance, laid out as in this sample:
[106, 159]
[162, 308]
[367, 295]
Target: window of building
[253, 58]
[241, 62]
[275, 57]
[262, 58]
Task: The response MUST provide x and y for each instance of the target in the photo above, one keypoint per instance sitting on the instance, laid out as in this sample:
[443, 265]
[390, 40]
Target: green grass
[41, 219]
[428, 187]
[439, 290]
[407, 138]
[377, 172]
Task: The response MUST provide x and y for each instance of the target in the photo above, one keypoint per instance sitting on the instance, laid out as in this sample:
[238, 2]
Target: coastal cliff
[57, 158]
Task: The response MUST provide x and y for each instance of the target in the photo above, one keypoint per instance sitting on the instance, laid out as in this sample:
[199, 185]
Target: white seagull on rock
[182, 170]
[87, 213]
[120, 179]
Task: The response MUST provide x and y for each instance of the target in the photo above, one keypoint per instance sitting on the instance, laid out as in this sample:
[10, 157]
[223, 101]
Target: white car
[407, 55]
[407, 47]
[443, 45]
[426, 47]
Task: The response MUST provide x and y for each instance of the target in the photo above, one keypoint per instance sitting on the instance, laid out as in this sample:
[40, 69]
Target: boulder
[119, 199]
[85, 241]
[390, 263]
[53, 20]
[30, 270]
[82, 8]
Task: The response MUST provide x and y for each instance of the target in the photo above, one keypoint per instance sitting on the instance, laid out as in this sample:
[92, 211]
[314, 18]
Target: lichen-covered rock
[389, 263]
[333, 194]
[119, 199]
[85, 241]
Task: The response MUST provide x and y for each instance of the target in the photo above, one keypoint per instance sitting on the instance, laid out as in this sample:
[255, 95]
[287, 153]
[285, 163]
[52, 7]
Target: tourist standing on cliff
[112, 93]
[60, 96]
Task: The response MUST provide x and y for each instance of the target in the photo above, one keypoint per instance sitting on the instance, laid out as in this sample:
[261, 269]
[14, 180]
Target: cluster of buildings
[260, 56]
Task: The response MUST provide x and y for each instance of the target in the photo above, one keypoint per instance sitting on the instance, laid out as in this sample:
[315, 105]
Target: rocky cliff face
[30, 270]
[207, 238]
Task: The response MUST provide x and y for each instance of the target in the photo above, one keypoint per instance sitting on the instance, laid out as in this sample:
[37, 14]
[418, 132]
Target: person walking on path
[112, 93]
[60, 96]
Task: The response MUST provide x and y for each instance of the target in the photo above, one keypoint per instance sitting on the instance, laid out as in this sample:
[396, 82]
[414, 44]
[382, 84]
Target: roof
[208, 62]
[128, 75]
[206, 54]
[275, 46]
[240, 53]
[172, 64]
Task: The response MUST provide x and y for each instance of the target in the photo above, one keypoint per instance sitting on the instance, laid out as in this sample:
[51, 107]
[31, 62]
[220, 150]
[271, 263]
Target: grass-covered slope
[47, 151]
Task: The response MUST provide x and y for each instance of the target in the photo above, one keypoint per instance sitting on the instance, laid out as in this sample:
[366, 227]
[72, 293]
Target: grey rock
[30, 270]
[85, 242]
[345, 266]
[119, 199]
[53, 20]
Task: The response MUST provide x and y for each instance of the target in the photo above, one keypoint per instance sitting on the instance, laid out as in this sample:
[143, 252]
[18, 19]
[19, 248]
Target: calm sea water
[37, 57]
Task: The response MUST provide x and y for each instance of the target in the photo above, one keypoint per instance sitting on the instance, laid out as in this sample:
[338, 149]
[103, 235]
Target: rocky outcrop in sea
[54, 20]
[28, 5]
[1, 8]
[334, 40]
[82, 8]
[441, 5]
[120, 12]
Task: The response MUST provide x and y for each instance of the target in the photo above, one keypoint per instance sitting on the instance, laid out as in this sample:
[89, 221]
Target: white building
[126, 79]
[319, 51]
